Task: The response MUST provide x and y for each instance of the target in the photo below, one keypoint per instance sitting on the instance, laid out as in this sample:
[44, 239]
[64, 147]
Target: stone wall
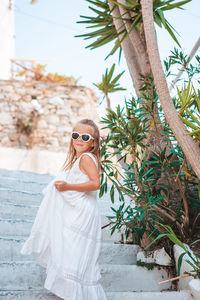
[40, 115]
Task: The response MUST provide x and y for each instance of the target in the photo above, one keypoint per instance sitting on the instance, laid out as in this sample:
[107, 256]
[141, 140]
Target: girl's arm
[88, 167]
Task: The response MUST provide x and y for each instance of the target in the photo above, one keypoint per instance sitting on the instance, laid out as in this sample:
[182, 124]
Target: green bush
[159, 181]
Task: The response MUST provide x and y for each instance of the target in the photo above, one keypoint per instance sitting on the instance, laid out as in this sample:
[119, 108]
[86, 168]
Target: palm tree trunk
[137, 42]
[138, 63]
[190, 148]
[107, 101]
[128, 49]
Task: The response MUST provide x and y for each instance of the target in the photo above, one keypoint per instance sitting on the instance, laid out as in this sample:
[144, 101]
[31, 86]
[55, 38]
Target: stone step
[20, 275]
[46, 295]
[9, 227]
[18, 197]
[10, 210]
[28, 181]
[31, 182]
[25, 180]
[20, 211]
[133, 278]
[28, 186]
[163, 295]
[25, 175]
[110, 253]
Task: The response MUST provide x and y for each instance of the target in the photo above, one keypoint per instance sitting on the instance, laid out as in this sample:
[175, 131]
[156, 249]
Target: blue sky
[46, 30]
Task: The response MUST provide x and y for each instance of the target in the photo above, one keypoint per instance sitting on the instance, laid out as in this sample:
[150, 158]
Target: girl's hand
[60, 185]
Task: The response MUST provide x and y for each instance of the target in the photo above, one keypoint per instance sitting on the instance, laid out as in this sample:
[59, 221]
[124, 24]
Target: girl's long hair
[71, 158]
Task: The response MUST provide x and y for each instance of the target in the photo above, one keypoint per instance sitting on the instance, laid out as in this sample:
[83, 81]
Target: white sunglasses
[86, 137]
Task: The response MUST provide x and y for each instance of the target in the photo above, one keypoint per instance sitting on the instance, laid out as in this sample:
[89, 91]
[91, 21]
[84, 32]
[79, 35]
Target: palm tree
[109, 85]
[128, 24]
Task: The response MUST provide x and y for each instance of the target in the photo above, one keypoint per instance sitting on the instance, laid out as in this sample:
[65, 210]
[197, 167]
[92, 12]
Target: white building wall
[6, 37]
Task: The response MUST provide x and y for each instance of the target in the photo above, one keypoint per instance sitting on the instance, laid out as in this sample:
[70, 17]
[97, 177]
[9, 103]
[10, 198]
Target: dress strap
[91, 155]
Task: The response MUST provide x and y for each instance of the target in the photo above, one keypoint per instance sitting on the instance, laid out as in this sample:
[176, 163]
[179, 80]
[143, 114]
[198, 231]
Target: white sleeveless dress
[66, 239]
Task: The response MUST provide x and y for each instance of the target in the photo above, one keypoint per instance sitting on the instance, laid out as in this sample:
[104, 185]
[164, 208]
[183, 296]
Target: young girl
[66, 235]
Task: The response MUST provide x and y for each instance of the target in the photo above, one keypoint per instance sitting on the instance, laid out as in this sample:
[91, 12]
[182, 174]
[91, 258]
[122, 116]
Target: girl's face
[79, 145]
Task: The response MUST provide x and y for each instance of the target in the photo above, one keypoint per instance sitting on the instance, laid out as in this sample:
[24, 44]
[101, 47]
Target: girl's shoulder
[89, 154]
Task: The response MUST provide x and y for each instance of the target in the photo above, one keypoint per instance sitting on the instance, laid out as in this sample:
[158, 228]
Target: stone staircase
[22, 278]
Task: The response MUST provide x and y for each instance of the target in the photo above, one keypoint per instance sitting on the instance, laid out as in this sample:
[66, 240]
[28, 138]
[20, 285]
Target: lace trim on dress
[82, 232]
[67, 275]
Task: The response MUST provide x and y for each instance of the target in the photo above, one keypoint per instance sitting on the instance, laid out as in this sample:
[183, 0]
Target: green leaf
[110, 74]
[161, 14]
[180, 262]
[112, 191]
[167, 26]
[188, 123]
[176, 5]
[113, 209]
[149, 171]
[157, 238]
